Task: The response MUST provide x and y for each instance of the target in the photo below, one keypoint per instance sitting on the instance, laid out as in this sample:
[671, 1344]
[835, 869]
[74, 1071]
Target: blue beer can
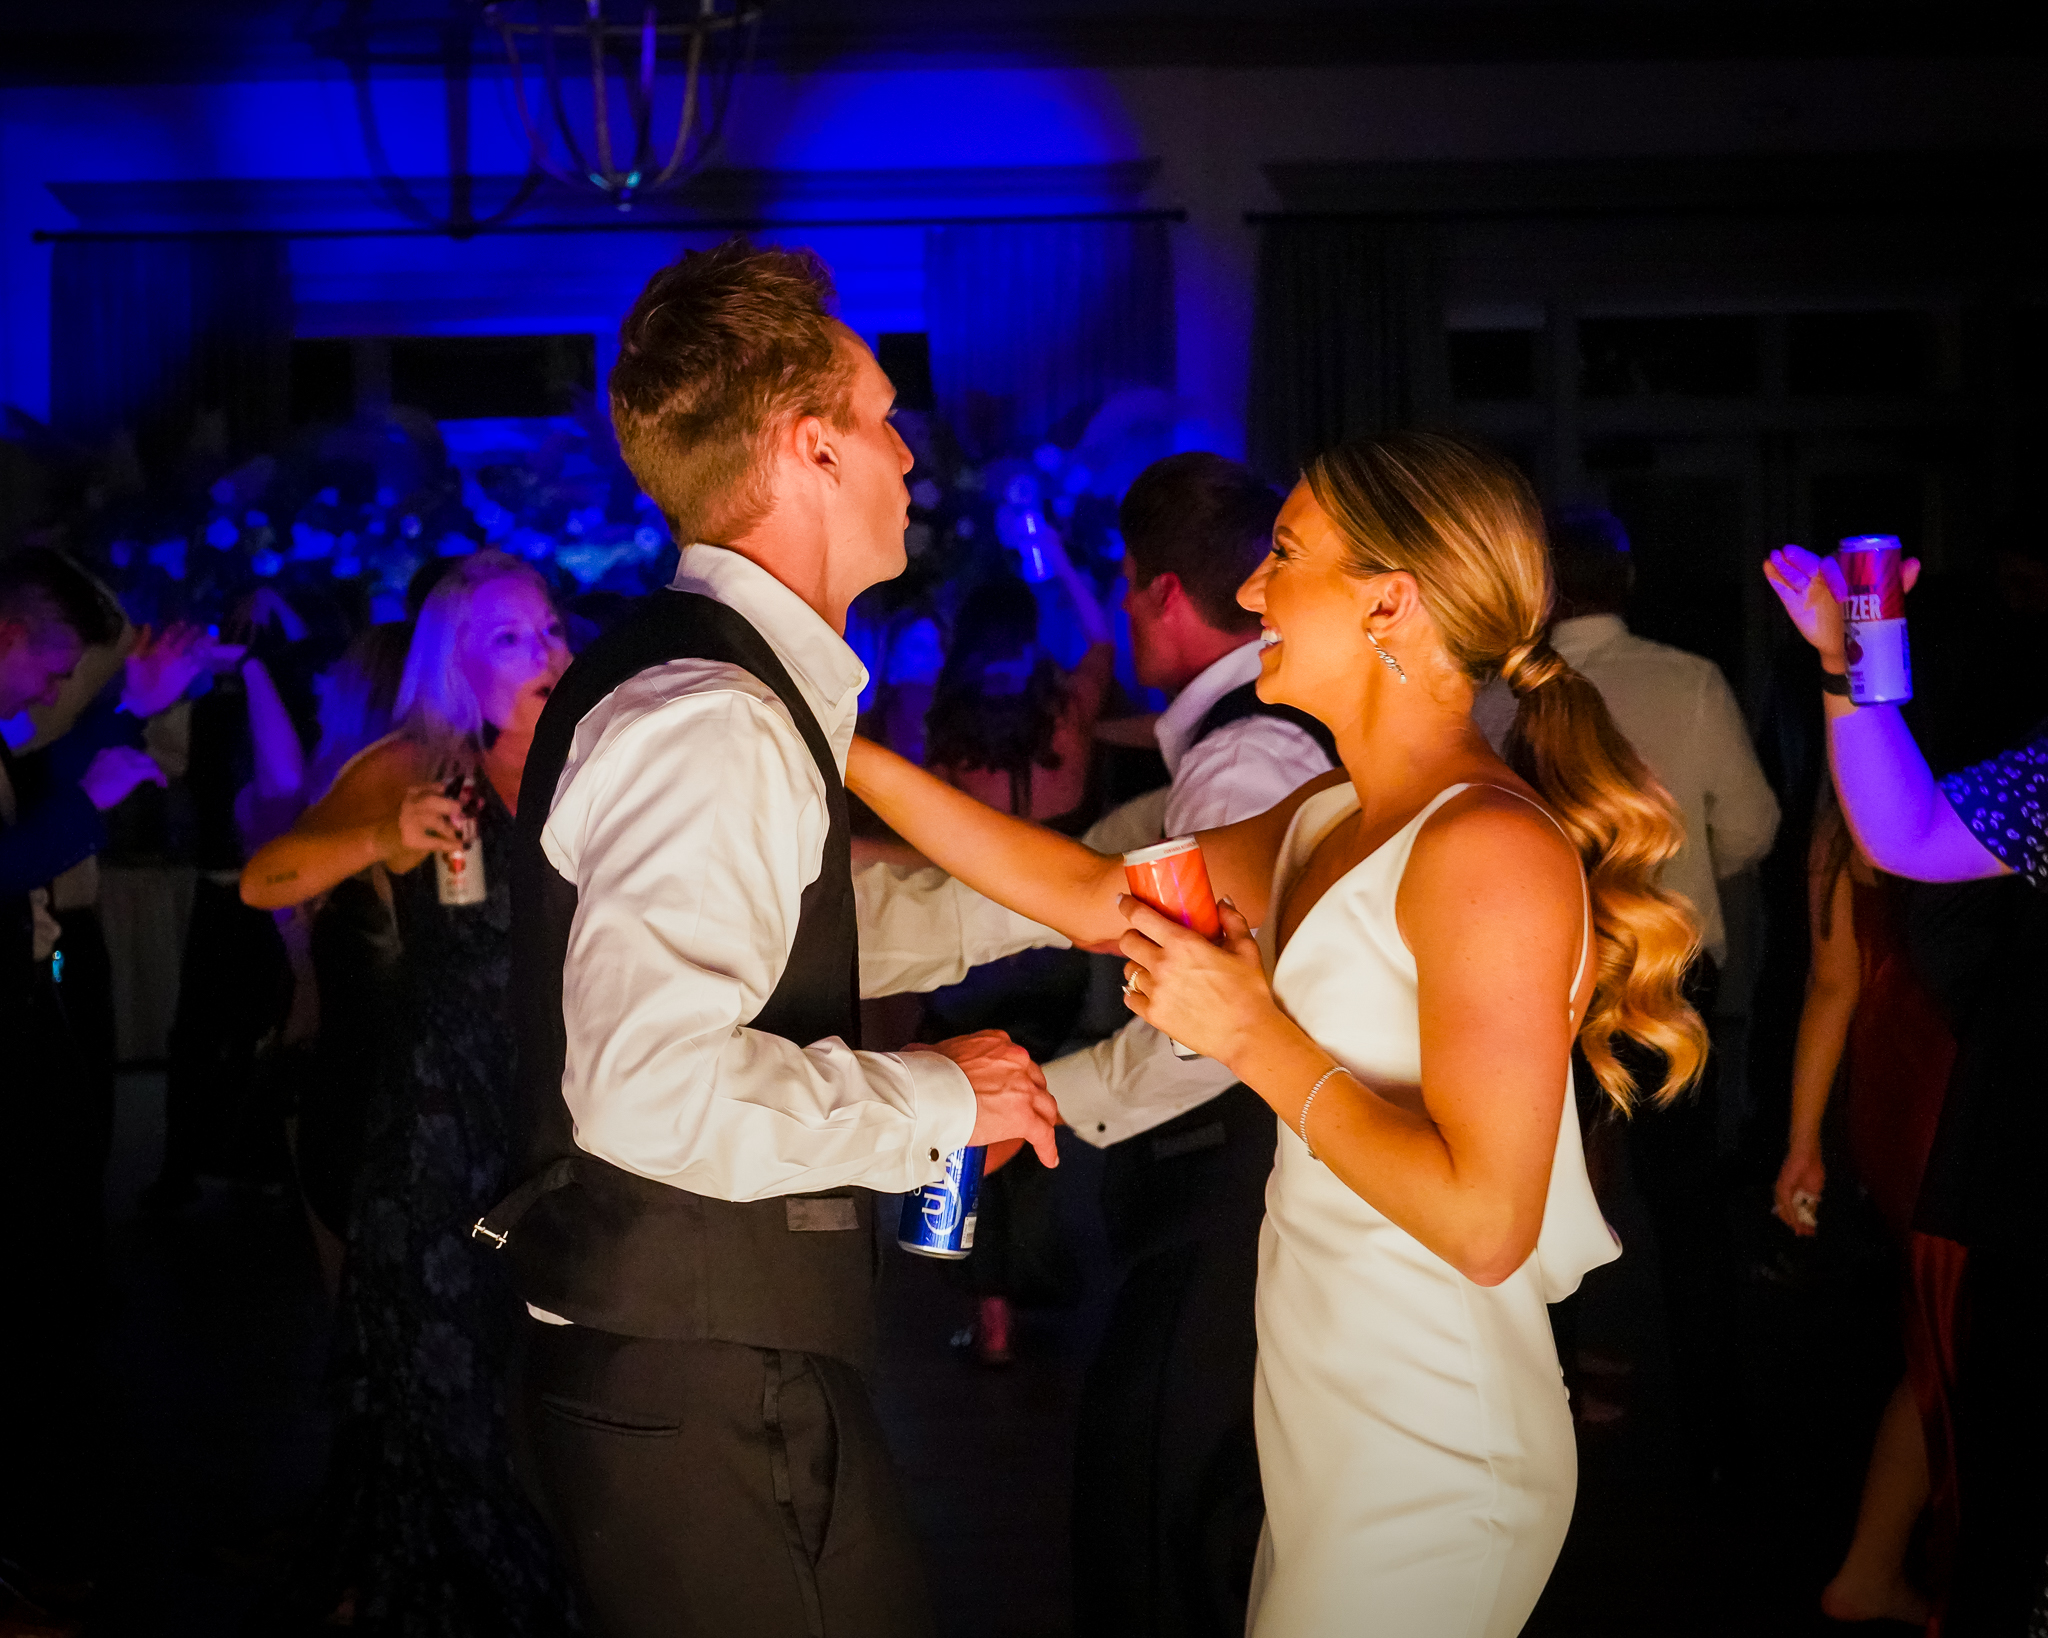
[938, 1220]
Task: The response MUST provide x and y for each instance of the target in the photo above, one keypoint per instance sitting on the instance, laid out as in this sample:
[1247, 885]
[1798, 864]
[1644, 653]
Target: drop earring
[1386, 659]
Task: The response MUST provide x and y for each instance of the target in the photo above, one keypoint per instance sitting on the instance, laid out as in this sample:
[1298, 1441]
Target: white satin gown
[1414, 1437]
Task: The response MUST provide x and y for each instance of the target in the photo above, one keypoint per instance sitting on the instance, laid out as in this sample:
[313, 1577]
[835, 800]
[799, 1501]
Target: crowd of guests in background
[342, 1032]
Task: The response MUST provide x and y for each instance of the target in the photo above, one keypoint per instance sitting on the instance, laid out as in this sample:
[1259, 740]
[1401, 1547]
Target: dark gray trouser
[709, 1489]
[1167, 1503]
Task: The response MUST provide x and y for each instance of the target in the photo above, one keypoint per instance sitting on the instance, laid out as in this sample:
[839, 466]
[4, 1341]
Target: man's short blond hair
[723, 349]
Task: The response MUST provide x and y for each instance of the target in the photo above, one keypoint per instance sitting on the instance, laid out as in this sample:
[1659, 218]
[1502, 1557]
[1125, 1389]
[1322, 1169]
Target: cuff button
[935, 1154]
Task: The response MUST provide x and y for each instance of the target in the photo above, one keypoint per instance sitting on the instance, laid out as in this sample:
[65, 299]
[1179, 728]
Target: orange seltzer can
[1173, 878]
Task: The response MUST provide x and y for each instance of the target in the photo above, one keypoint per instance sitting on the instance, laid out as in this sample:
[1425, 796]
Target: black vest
[1244, 702]
[606, 1248]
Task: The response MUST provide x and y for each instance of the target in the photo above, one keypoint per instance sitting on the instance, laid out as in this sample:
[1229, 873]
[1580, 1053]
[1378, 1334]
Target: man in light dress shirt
[1675, 708]
[1167, 1505]
[695, 1240]
[1678, 712]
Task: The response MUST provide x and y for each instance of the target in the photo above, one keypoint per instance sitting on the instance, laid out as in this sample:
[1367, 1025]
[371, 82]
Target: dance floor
[213, 1434]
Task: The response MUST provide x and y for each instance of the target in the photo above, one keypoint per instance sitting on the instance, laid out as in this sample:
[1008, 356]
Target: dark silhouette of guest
[55, 1054]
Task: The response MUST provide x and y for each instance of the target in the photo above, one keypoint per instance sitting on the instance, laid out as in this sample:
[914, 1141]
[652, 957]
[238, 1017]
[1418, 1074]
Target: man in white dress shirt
[1167, 1504]
[695, 1239]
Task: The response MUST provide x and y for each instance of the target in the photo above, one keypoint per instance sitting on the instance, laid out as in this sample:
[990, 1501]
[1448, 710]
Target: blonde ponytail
[1463, 522]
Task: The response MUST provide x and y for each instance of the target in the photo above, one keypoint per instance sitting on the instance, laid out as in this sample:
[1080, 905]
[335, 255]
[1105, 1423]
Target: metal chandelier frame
[711, 40]
[720, 29]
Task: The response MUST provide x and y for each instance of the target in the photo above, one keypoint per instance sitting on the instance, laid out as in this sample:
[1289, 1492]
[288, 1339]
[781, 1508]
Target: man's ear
[1165, 589]
[815, 445]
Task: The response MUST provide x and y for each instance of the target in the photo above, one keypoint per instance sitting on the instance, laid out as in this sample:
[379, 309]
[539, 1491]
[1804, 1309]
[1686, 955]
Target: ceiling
[133, 41]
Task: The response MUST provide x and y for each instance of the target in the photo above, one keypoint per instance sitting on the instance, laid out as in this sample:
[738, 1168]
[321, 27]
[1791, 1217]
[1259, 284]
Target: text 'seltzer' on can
[1874, 619]
[1173, 878]
[938, 1219]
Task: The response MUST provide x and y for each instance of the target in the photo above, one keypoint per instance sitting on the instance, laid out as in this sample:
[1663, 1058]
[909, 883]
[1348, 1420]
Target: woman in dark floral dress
[436, 1538]
[1983, 1187]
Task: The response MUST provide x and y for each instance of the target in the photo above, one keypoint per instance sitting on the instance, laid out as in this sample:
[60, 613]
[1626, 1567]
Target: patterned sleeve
[2004, 801]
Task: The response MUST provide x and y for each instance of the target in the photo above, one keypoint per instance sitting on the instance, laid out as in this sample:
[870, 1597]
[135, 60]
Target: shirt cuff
[1077, 1086]
[942, 1116]
[1129, 1084]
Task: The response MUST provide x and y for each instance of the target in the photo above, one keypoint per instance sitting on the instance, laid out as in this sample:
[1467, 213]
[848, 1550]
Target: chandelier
[615, 145]
[632, 97]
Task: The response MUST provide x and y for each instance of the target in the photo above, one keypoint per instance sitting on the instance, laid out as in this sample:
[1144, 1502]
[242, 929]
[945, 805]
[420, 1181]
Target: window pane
[323, 381]
[1691, 552]
[459, 377]
[1497, 364]
[906, 359]
[1707, 355]
[1863, 353]
[1876, 502]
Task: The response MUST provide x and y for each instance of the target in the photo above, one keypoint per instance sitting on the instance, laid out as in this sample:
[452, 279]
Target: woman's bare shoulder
[1494, 847]
[375, 776]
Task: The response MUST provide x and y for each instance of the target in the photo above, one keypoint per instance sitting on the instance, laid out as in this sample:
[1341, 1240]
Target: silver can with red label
[459, 876]
[1874, 619]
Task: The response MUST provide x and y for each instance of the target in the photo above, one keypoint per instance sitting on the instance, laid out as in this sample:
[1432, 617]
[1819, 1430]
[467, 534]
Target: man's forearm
[764, 1116]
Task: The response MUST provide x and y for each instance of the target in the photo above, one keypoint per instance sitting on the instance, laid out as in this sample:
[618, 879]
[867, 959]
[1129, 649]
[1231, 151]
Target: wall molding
[84, 45]
[1994, 182]
[717, 198]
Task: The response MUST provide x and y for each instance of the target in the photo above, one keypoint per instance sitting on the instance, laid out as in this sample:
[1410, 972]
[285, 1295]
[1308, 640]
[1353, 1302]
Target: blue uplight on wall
[873, 119]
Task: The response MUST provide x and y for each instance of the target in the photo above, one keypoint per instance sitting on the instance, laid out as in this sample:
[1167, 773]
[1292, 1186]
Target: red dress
[1900, 1055]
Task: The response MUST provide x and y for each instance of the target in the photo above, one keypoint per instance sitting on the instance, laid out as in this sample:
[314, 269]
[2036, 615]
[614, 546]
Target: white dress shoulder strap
[1585, 892]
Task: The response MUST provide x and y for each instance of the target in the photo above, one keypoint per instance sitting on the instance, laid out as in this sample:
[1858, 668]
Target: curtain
[148, 334]
[1034, 324]
[1347, 337]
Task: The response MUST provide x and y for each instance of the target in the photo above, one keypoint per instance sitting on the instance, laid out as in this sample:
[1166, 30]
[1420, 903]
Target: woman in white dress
[1426, 953]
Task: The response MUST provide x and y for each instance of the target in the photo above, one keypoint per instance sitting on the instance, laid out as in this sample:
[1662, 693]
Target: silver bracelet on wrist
[1302, 1125]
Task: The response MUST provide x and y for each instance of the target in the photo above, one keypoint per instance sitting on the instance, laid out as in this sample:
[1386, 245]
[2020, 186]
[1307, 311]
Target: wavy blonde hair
[1464, 523]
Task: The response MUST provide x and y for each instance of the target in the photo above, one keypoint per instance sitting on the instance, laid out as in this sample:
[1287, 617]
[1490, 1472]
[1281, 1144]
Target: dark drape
[146, 334]
[1033, 324]
[1347, 338]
